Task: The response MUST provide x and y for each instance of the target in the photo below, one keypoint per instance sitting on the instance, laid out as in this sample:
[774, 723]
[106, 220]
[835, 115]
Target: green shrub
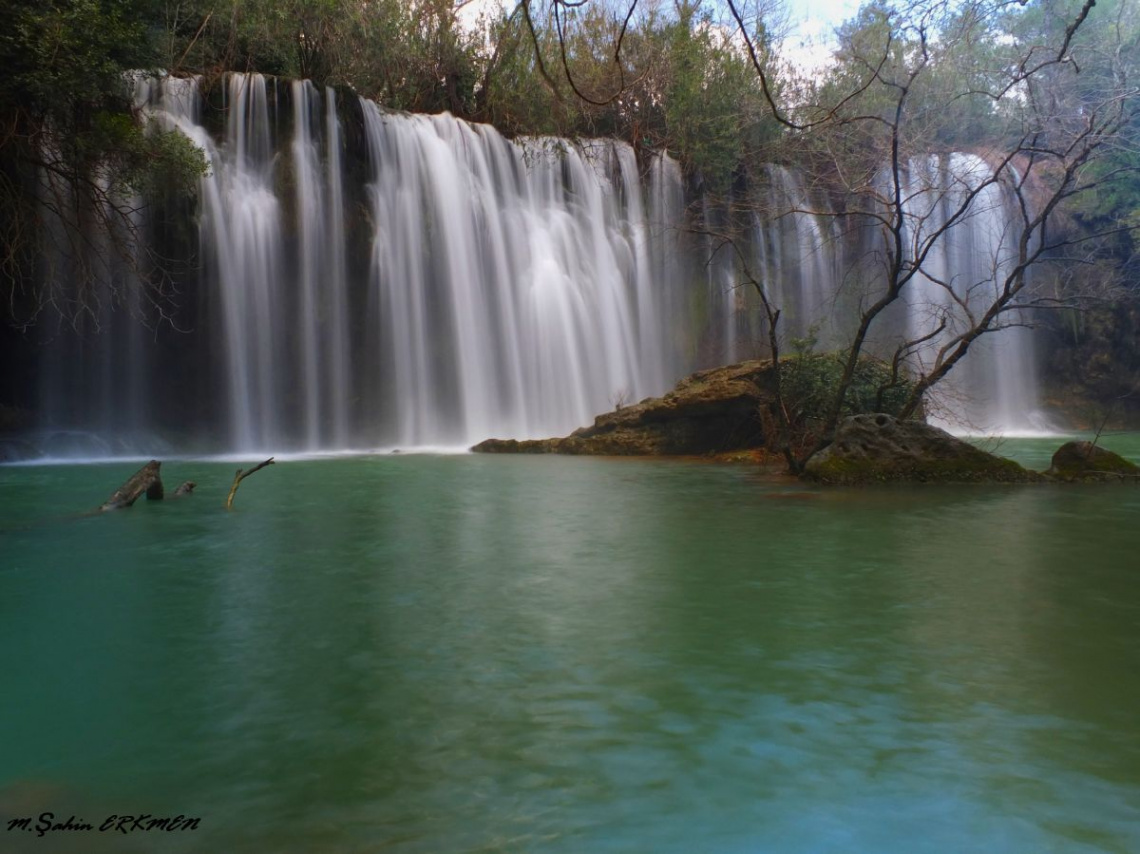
[809, 382]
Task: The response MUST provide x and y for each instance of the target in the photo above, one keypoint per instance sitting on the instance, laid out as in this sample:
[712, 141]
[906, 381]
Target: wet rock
[1086, 461]
[880, 448]
[710, 412]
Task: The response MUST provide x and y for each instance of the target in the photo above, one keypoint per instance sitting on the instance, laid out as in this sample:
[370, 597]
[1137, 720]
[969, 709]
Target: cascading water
[322, 281]
[995, 387]
[817, 278]
[526, 302]
[241, 237]
[793, 251]
[338, 375]
[798, 254]
[423, 281]
[95, 372]
[514, 289]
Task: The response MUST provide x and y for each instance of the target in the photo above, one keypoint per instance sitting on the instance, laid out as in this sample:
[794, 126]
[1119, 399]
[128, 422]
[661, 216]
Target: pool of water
[566, 655]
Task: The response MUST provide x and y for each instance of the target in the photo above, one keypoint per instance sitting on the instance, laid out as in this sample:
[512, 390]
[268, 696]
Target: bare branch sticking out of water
[241, 475]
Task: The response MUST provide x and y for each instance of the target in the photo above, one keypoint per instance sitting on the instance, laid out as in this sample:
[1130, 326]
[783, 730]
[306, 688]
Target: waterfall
[95, 371]
[339, 379]
[375, 279]
[514, 289]
[240, 225]
[321, 273]
[995, 387]
[798, 253]
[526, 302]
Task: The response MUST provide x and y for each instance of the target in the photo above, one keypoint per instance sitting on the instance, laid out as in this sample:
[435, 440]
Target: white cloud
[811, 34]
[468, 15]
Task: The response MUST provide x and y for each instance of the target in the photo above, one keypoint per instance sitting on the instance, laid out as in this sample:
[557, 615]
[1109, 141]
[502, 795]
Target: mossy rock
[714, 412]
[1086, 461]
[709, 412]
[881, 449]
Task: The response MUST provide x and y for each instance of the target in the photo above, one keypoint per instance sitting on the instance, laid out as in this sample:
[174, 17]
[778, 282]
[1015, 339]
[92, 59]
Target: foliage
[406, 55]
[72, 150]
[1107, 52]
[67, 55]
[713, 111]
[808, 382]
[665, 79]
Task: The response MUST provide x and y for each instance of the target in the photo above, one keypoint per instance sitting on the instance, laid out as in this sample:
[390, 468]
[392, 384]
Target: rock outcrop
[1086, 461]
[710, 412]
[880, 448]
[718, 412]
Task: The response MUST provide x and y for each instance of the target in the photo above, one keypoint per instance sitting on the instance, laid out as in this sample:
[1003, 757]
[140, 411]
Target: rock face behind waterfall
[709, 412]
[877, 448]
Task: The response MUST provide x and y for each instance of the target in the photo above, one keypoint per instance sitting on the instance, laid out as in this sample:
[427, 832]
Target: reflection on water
[564, 655]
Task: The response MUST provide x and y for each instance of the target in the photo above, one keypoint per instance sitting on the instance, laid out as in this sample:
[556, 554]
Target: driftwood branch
[242, 475]
[146, 481]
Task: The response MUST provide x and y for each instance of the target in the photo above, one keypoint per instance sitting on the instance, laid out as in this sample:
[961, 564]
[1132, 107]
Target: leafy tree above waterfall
[71, 152]
[678, 82]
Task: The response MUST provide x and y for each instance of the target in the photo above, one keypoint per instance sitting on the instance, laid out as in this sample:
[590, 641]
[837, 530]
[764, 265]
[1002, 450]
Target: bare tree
[1036, 106]
[1039, 163]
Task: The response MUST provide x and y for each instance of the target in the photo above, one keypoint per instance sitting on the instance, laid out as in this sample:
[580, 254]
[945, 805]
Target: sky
[818, 17]
[807, 45]
[813, 24]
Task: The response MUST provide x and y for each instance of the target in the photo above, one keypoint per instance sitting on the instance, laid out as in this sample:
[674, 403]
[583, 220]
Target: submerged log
[185, 489]
[242, 475]
[146, 481]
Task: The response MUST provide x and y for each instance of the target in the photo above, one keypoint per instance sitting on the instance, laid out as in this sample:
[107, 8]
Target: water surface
[480, 654]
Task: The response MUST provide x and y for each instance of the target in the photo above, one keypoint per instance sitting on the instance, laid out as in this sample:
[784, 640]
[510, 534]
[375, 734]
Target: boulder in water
[1086, 461]
[880, 448]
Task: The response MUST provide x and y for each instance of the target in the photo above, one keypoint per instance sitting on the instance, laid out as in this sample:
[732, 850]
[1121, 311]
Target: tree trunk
[147, 480]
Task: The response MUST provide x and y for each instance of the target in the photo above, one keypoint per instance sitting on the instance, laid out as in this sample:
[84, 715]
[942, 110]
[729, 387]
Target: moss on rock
[1086, 461]
[879, 448]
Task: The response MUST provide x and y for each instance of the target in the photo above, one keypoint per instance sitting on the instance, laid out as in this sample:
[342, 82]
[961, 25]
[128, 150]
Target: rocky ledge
[717, 412]
[710, 412]
[880, 448]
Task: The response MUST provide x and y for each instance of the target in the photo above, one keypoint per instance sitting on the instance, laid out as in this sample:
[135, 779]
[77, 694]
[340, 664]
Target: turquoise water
[481, 654]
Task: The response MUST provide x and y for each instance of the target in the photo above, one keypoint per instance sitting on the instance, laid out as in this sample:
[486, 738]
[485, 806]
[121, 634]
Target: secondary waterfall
[816, 265]
[370, 279]
[994, 389]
